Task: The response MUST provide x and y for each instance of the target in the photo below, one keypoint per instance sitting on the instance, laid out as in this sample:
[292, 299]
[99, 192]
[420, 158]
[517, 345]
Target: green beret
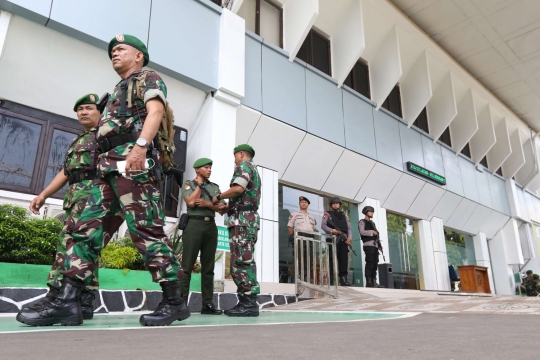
[529, 272]
[86, 99]
[202, 162]
[536, 276]
[131, 41]
[244, 147]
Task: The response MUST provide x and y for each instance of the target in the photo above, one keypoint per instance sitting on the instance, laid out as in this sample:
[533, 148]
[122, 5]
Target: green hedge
[25, 239]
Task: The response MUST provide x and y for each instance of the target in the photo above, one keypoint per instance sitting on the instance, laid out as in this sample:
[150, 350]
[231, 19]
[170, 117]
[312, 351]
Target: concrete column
[5, 18]
[439, 252]
[481, 251]
[502, 272]
[426, 259]
[379, 219]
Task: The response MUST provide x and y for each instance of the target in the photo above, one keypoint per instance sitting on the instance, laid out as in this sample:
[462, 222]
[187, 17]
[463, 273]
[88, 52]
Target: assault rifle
[340, 235]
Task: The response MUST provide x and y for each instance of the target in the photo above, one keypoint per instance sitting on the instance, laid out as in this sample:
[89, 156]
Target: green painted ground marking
[8, 324]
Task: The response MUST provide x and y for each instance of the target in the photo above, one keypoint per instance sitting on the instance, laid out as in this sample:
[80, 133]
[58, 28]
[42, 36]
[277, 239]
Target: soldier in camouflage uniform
[243, 224]
[79, 172]
[129, 123]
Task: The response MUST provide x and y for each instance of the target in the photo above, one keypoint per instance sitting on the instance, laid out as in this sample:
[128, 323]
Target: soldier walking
[336, 222]
[243, 224]
[79, 172]
[201, 233]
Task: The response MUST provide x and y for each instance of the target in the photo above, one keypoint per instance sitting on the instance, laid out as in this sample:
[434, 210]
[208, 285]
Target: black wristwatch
[201, 185]
[218, 197]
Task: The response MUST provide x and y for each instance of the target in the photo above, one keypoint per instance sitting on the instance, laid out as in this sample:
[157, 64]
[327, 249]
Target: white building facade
[340, 99]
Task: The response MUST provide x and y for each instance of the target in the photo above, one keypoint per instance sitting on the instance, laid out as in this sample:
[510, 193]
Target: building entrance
[403, 252]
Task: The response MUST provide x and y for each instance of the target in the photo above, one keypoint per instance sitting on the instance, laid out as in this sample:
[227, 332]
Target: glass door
[403, 252]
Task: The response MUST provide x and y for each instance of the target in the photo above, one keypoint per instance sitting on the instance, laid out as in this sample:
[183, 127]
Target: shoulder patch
[290, 217]
[325, 215]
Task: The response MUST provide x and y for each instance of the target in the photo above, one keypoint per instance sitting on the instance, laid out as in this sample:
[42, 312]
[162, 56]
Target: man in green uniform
[201, 232]
[79, 172]
[243, 224]
[129, 123]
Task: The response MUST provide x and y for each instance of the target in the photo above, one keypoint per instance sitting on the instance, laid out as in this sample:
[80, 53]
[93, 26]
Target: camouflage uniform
[531, 287]
[79, 159]
[138, 197]
[243, 227]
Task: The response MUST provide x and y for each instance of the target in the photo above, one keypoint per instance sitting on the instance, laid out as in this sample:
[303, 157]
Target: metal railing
[312, 251]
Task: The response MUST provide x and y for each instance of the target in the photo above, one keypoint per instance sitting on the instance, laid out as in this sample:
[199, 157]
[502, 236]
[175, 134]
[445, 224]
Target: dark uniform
[340, 221]
[201, 234]
[371, 249]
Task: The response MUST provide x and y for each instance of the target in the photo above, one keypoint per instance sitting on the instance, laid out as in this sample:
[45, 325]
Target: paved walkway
[370, 299]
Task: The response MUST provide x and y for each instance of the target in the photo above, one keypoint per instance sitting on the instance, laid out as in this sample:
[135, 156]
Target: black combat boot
[369, 282]
[210, 309]
[343, 281]
[87, 307]
[247, 306]
[51, 295]
[172, 308]
[65, 309]
[374, 281]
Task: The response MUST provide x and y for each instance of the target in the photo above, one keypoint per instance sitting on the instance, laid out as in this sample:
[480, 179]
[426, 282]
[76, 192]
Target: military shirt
[302, 221]
[79, 158]
[213, 189]
[247, 176]
[110, 123]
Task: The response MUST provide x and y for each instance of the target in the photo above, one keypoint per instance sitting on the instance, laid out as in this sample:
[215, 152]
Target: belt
[84, 175]
[117, 140]
[241, 209]
[199, 217]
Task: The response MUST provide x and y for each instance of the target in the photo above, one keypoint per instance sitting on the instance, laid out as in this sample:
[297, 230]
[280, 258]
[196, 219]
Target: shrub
[121, 254]
[27, 240]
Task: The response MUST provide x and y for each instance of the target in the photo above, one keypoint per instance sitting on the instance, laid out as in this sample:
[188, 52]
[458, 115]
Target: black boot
[343, 281]
[87, 307]
[51, 295]
[369, 282]
[210, 309]
[374, 281]
[65, 309]
[247, 306]
[171, 309]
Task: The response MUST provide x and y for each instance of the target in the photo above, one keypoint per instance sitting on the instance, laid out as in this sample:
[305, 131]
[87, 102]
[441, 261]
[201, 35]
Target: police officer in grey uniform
[371, 246]
[336, 222]
[302, 220]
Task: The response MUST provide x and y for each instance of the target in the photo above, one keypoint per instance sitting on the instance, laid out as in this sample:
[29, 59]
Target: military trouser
[199, 235]
[342, 256]
[372, 260]
[140, 201]
[242, 240]
[110, 226]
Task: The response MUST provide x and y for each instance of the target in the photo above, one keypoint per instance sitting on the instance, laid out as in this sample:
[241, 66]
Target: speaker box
[180, 142]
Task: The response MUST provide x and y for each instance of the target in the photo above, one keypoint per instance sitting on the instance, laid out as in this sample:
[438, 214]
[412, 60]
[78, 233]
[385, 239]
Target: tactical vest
[368, 225]
[340, 221]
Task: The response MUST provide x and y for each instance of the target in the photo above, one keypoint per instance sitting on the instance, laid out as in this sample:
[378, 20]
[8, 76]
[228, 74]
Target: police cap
[131, 41]
[202, 162]
[335, 200]
[304, 198]
[529, 272]
[244, 147]
[367, 209]
[86, 99]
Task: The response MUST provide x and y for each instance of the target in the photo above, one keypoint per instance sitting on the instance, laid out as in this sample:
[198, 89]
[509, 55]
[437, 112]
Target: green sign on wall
[223, 239]
[412, 167]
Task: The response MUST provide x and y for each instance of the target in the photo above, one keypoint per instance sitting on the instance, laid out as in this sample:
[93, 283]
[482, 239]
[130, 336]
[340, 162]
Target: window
[499, 171]
[33, 145]
[316, 51]
[264, 18]
[484, 162]
[217, 2]
[393, 102]
[445, 137]
[403, 252]
[358, 79]
[421, 121]
[466, 151]
[459, 249]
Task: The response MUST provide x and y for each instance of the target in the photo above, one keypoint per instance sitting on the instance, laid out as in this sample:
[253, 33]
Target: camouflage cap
[244, 147]
[131, 41]
[536, 276]
[86, 99]
[304, 198]
[202, 162]
[529, 272]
